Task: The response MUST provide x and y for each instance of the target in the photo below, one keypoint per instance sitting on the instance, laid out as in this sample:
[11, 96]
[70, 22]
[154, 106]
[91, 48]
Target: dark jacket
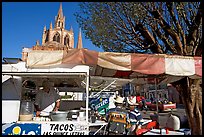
[118, 120]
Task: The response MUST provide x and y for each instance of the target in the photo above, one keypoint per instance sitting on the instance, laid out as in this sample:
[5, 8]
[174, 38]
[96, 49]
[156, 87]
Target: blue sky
[23, 23]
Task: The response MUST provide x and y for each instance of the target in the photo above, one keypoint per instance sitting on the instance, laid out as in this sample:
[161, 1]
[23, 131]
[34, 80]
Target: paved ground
[179, 111]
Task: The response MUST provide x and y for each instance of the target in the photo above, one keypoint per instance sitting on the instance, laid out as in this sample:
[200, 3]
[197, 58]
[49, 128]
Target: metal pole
[87, 96]
[155, 84]
[155, 80]
[103, 89]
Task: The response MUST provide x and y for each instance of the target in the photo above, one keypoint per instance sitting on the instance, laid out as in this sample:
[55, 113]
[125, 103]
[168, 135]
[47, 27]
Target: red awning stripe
[198, 66]
[147, 63]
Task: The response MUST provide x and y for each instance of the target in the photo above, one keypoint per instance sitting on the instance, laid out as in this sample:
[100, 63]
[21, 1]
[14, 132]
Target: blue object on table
[186, 131]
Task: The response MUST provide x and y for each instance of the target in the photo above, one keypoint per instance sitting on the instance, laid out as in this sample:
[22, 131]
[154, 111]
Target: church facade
[55, 38]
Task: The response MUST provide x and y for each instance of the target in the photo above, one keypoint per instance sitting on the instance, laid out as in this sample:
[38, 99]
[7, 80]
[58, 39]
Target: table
[98, 123]
[157, 132]
[163, 107]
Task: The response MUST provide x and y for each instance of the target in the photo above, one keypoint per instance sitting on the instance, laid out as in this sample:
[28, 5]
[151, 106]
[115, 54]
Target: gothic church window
[46, 39]
[66, 40]
[56, 37]
[59, 24]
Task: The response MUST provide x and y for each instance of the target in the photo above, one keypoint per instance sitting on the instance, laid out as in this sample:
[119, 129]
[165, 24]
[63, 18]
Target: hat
[169, 85]
[119, 99]
[132, 100]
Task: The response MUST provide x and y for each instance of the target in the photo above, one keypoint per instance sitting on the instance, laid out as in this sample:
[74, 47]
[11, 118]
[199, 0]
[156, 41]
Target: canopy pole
[155, 82]
[87, 97]
[104, 88]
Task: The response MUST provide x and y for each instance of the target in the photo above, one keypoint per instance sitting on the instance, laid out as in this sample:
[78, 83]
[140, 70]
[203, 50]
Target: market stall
[139, 68]
[13, 92]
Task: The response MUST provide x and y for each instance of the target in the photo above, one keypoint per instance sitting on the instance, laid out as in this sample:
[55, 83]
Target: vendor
[47, 100]
[134, 115]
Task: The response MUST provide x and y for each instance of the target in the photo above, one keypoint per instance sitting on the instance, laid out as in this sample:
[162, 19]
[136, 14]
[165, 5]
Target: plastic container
[173, 122]
[82, 115]
[26, 111]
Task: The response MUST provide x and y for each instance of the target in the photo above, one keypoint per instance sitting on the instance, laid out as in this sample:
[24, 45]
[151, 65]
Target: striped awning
[121, 65]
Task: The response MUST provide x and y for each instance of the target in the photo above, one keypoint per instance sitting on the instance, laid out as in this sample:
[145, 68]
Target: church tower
[60, 19]
[58, 37]
[79, 43]
[55, 37]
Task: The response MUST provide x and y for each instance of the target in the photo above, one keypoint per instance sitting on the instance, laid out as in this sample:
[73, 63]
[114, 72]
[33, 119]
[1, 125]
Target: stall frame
[19, 71]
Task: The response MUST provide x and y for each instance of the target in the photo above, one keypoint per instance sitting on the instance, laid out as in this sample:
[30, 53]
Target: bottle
[26, 110]
[93, 117]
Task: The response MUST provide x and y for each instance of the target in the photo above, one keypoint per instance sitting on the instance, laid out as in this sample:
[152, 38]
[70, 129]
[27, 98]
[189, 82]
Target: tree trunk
[191, 94]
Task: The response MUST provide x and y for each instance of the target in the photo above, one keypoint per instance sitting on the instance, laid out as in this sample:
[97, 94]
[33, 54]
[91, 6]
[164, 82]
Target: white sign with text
[64, 129]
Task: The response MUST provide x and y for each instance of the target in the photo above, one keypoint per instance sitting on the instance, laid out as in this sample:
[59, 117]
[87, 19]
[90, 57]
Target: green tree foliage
[150, 27]
[143, 27]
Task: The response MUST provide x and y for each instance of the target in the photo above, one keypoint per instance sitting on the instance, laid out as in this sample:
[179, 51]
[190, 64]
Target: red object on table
[167, 131]
[141, 131]
[149, 126]
[163, 107]
[170, 129]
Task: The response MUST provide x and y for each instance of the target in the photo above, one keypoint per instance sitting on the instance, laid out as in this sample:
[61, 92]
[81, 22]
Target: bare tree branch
[171, 32]
[191, 39]
[168, 45]
[179, 29]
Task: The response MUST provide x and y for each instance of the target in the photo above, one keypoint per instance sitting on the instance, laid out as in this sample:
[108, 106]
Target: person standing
[46, 100]
[173, 94]
[144, 106]
[152, 99]
[118, 118]
[134, 116]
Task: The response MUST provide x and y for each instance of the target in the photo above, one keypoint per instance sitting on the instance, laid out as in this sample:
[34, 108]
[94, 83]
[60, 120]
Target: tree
[150, 27]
